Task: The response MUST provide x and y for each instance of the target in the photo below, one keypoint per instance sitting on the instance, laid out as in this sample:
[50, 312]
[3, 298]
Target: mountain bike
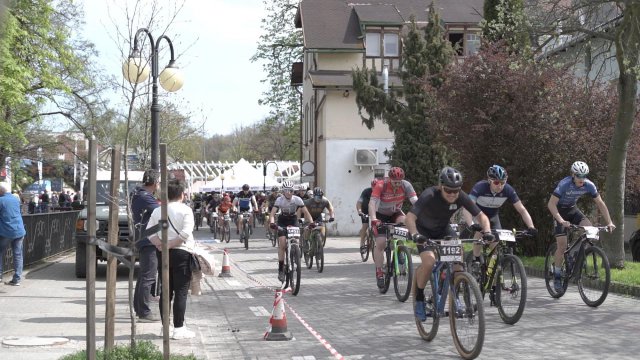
[398, 262]
[197, 217]
[369, 241]
[245, 231]
[225, 228]
[292, 258]
[465, 308]
[213, 224]
[313, 246]
[583, 261]
[503, 276]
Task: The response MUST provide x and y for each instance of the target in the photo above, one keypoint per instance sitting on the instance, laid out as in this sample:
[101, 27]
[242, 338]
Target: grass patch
[630, 275]
[144, 350]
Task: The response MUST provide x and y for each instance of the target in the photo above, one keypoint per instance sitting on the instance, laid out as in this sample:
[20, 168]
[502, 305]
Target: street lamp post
[135, 71]
[222, 179]
[264, 173]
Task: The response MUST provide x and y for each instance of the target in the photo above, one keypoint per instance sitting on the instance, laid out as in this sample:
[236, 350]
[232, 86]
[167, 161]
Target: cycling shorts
[284, 221]
[435, 235]
[572, 215]
[393, 218]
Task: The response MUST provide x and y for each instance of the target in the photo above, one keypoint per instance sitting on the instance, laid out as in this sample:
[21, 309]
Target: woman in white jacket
[181, 246]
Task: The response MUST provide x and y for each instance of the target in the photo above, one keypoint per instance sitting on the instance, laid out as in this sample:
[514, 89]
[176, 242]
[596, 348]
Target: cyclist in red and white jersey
[385, 206]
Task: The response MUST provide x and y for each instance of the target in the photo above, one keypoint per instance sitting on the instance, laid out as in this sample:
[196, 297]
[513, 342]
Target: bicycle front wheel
[429, 328]
[549, 269]
[402, 279]
[245, 235]
[307, 252]
[295, 272]
[319, 253]
[466, 316]
[595, 276]
[227, 229]
[371, 244]
[388, 271]
[273, 237]
[511, 290]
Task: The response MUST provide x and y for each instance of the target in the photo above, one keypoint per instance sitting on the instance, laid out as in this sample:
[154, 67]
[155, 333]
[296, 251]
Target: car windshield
[103, 191]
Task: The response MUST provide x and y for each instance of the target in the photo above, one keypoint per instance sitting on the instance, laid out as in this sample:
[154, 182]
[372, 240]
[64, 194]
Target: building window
[457, 41]
[373, 44]
[472, 44]
[382, 47]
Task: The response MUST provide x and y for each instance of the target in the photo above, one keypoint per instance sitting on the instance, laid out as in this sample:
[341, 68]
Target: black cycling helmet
[245, 187]
[318, 192]
[275, 189]
[450, 177]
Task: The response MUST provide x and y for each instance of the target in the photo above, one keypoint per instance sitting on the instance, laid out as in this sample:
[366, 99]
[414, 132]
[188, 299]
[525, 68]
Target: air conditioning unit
[365, 157]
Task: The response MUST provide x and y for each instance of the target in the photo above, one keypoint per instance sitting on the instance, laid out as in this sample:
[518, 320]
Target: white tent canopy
[241, 173]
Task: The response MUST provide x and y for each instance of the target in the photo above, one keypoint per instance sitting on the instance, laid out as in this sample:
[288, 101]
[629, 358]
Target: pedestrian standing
[143, 203]
[181, 246]
[11, 232]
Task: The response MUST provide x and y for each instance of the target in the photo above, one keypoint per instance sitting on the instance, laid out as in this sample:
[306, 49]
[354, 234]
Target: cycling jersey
[244, 200]
[316, 207]
[389, 200]
[365, 196]
[433, 212]
[489, 202]
[271, 199]
[224, 207]
[568, 192]
[288, 209]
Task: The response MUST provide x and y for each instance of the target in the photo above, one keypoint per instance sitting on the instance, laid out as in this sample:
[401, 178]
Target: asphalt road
[338, 313]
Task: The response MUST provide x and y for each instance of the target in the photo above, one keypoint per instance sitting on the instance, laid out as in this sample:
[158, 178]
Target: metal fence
[48, 234]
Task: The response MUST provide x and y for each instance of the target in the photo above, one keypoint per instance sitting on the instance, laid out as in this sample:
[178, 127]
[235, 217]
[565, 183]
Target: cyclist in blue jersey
[245, 201]
[490, 195]
[562, 206]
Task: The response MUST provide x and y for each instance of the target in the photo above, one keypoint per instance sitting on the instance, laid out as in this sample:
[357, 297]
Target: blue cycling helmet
[497, 172]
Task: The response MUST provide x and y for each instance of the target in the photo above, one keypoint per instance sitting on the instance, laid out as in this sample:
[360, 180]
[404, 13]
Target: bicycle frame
[583, 240]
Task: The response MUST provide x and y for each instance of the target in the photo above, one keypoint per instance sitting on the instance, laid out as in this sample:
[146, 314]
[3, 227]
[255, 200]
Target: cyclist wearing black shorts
[290, 207]
[429, 217]
[362, 207]
[245, 201]
[316, 206]
[562, 206]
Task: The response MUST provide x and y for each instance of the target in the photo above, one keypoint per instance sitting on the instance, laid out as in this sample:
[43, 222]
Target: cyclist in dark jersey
[562, 206]
[290, 207]
[490, 195]
[316, 206]
[245, 201]
[362, 207]
[429, 218]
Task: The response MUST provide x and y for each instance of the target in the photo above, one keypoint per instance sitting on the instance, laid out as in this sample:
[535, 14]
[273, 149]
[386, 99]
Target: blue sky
[213, 39]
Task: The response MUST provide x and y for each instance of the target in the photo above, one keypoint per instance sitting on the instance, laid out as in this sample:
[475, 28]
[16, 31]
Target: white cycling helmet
[580, 168]
[287, 185]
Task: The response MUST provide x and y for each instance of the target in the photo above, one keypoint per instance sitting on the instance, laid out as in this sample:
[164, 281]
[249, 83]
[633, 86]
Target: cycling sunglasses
[581, 176]
[498, 182]
[450, 191]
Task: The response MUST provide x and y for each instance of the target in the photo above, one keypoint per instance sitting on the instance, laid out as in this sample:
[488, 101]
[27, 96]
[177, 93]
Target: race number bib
[451, 251]
[592, 232]
[293, 231]
[505, 235]
[400, 231]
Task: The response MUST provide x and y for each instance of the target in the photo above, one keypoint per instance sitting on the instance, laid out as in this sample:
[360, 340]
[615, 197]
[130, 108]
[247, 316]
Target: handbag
[194, 262]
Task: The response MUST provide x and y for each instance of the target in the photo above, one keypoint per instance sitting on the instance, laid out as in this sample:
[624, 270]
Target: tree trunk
[627, 51]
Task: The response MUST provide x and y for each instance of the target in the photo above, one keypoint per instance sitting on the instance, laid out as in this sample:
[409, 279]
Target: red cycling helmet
[396, 173]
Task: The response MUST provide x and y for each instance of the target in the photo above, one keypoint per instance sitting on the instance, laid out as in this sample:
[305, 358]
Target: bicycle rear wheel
[364, 254]
[295, 273]
[595, 276]
[227, 229]
[466, 316]
[549, 269]
[402, 280]
[511, 290]
[319, 253]
[429, 328]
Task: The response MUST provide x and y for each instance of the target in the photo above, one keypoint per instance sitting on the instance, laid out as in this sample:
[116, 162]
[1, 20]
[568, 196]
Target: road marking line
[259, 311]
[233, 282]
[244, 295]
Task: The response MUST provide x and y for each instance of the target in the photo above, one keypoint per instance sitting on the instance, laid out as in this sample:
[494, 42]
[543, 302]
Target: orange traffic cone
[226, 268]
[278, 322]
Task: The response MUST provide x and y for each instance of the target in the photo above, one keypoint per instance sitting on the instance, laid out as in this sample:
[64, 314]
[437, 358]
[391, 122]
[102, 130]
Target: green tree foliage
[505, 21]
[407, 111]
[41, 62]
[532, 118]
[279, 46]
